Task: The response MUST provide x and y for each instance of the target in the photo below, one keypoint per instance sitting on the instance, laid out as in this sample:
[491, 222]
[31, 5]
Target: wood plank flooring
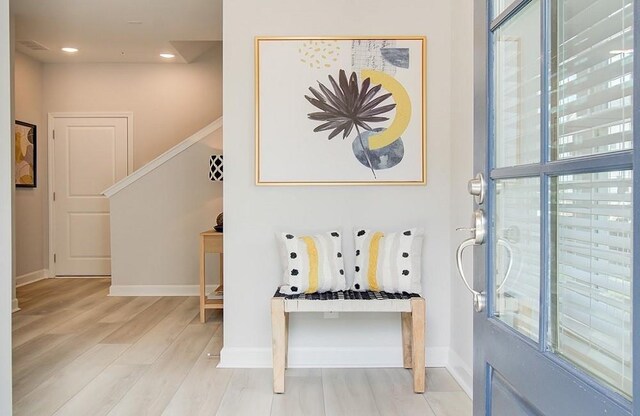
[77, 352]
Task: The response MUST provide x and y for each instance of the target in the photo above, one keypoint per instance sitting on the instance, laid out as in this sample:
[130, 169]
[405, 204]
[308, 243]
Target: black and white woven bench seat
[343, 301]
[411, 307]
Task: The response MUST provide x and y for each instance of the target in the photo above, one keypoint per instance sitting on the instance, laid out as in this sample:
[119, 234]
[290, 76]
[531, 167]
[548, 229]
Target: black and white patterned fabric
[346, 295]
[215, 168]
[388, 262]
[312, 263]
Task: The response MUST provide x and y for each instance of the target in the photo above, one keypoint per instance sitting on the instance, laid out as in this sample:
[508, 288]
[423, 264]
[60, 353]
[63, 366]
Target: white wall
[169, 102]
[30, 203]
[6, 189]
[156, 222]
[253, 214]
[461, 168]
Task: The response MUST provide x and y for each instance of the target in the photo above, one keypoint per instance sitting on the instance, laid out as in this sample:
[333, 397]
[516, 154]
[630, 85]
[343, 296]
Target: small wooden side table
[210, 242]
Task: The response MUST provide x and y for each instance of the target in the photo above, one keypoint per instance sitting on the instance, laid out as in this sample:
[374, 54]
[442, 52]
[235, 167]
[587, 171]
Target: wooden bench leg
[417, 344]
[279, 346]
[286, 340]
[406, 339]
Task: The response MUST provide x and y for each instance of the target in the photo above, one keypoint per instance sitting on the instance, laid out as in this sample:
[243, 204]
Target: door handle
[478, 233]
[479, 298]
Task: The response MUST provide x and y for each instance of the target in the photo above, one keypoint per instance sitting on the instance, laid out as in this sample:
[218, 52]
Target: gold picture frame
[287, 126]
[26, 155]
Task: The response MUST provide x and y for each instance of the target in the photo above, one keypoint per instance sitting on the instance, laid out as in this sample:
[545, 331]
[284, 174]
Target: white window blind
[593, 273]
[594, 77]
[592, 212]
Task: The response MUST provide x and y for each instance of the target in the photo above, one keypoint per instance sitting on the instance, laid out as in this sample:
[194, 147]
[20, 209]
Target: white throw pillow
[312, 263]
[388, 262]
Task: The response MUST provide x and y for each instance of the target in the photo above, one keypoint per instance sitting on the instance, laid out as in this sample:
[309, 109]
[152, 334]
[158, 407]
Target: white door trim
[6, 207]
[51, 163]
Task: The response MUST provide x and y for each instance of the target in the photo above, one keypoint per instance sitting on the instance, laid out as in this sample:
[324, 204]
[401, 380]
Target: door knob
[478, 188]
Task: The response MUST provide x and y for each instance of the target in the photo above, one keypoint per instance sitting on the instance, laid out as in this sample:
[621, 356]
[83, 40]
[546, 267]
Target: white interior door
[90, 155]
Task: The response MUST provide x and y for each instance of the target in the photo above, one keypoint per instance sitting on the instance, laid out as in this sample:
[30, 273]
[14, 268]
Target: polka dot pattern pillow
[388, 262]
[312, 263]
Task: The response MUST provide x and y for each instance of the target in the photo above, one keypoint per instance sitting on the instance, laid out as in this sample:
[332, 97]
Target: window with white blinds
[592, 276]
[591, 223]
[594, 83]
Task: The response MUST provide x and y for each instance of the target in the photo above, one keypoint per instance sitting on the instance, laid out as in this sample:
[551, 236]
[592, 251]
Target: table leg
[220, 288]
[203, 294]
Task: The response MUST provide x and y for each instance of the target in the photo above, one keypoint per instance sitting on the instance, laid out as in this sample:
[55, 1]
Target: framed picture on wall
[26, 163]
[340, 110]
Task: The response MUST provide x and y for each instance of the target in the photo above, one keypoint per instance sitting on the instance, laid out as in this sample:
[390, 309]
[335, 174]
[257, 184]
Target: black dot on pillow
[357, 268]
[342, 272]
[357, 252]
[339, 254]
[294, 272]
[294, 288]
[357, 286]
[405, 272]
[334, 234]
[405, 255]
[407, 233]
[361, 233]
[289, 236]
[293, 255]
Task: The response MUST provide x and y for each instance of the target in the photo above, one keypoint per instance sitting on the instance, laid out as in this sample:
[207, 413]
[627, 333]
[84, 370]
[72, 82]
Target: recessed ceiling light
[69, 50]
[135, 22]
[167, 55]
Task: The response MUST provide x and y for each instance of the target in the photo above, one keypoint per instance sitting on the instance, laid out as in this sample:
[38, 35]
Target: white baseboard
[106, 276]
[347, 357]
[32, 277]
[157, 290]
[461, 372]
[14, 306]
[246, 357]
[436, 356]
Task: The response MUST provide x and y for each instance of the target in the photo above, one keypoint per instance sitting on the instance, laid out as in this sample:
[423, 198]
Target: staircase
[157, 214]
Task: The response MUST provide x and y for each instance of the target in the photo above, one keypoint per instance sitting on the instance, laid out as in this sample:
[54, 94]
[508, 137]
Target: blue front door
[555, 138]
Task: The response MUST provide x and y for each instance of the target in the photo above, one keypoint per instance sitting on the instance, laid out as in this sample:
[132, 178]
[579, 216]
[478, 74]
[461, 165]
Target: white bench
[411, 307]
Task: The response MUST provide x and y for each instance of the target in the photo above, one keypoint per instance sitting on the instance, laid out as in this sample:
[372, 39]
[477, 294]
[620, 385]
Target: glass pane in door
[517, 88]
[498, 6]
[516, 248]
[591, 274]
[593, 81]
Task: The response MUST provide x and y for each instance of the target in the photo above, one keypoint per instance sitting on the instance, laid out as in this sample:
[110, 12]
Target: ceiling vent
[33, 45]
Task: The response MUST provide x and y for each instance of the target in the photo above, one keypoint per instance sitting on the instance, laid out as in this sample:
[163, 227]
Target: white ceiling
[103, 30]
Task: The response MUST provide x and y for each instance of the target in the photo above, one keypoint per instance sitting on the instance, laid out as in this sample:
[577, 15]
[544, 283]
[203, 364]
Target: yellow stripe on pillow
[312, 252]
[374, 247]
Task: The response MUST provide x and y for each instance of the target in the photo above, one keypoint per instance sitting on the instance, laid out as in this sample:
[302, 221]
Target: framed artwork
[340, 110]
[26, 163]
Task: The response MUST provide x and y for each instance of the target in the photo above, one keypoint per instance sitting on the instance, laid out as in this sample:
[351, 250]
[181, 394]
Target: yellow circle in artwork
[403, 108]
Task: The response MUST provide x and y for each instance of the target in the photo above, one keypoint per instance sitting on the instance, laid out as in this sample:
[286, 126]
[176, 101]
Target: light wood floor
[78, 352]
